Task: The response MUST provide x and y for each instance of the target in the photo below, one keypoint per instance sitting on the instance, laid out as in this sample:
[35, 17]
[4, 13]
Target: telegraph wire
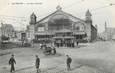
[94, 9]
[111, 4]
[46, 13]
[77, 2]
[15, 18]
[12, 16]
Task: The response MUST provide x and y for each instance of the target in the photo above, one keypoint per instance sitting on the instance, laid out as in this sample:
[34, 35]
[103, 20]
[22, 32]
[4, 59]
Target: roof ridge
[47, 16]
[73, 16]
[63, 12]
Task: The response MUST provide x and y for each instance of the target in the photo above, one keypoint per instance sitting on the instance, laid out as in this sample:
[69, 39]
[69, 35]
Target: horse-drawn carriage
[48, 50]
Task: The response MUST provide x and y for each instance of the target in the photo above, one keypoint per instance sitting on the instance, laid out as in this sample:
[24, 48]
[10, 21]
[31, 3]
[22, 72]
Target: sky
[17, 12]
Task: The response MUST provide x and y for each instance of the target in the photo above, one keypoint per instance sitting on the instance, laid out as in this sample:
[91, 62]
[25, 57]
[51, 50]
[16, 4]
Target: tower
[96, 26]
[105, 26]
[88, 16]
[88, 21]
[33, 19]
[31, 27]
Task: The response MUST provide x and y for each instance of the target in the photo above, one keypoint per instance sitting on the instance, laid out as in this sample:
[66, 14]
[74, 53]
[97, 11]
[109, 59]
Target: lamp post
[1, 31]
[1, 35]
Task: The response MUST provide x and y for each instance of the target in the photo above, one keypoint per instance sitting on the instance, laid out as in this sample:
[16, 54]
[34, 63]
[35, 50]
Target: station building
[61, 28]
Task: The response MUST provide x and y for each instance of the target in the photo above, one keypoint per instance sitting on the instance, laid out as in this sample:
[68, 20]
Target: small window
[77, 28]
[41, 29]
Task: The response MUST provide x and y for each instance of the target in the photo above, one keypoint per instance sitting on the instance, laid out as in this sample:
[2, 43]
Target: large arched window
[58, 22]
[79, 26]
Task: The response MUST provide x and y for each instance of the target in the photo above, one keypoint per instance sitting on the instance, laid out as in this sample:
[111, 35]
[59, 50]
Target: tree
[4, 38]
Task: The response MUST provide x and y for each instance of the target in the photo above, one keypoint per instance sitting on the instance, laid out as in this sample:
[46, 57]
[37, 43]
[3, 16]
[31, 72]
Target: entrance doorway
[64, 41]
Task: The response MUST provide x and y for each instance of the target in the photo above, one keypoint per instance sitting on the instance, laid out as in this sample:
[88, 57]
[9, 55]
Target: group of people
[12, 61]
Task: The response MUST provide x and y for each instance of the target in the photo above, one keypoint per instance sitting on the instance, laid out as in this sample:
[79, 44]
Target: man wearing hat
[68, 62]
[37, 63]
[12, 62]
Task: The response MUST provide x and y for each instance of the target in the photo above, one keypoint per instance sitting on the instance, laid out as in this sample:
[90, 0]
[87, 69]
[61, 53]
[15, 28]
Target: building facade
[109, 33]
[61, 28]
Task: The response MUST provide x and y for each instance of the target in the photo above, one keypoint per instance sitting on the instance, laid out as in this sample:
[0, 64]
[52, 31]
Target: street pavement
[96, 57]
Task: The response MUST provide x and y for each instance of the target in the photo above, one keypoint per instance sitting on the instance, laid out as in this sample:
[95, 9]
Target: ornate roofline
[63, 12]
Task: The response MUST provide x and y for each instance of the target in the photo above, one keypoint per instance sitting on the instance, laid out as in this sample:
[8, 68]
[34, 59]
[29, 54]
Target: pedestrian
[68, 62]
[37, 64]
[77, 43]
[12, 62]
[54, 50]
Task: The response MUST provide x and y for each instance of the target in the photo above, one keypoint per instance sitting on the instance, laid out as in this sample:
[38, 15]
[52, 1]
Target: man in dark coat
[77, 43]
[37, 64]
[54, 50]
[68, 62]
[12, 62]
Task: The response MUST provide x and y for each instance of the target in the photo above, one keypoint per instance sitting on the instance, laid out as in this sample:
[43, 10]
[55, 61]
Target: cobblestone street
[98, 57]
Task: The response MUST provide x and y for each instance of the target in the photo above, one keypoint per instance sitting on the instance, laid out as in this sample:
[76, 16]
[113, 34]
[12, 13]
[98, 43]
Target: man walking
[77, 43]
[68, 61]
[37, 63]
[12, 62]
[54, 50]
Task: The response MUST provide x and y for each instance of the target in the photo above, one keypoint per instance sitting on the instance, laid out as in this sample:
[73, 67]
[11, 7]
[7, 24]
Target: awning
[43, 33]
[43, 39]
[79, 33]
[63, 31]
[67, 37]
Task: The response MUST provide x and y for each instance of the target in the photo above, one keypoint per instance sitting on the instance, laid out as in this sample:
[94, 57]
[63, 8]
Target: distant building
[7, 30]
[62, 28]
[21, 35]
[109, 33]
